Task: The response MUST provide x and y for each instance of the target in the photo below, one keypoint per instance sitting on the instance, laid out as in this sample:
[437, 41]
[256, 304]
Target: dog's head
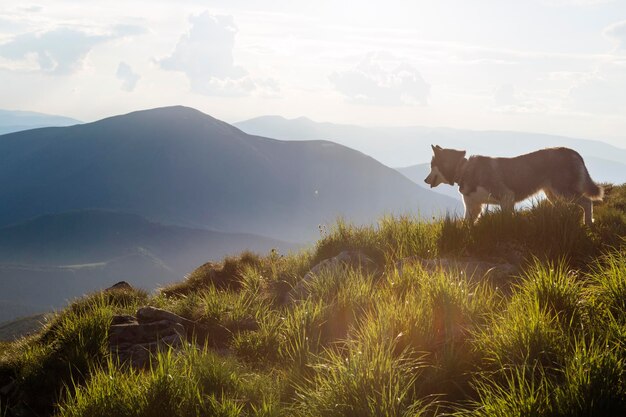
[443, 166]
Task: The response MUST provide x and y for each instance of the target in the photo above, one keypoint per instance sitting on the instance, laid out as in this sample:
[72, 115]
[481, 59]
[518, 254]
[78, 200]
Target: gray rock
[341, 262]
[123, 319]
[149, 314]
[137, 333]
[122, 285]
[135, 340]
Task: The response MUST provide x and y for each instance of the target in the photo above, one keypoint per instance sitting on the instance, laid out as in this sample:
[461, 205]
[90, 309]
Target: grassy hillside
[395, 339]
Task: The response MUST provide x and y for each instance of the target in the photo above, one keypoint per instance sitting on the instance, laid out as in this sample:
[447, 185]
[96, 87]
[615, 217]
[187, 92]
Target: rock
[135, 338]
[123, 319]
[346, 259]
[139, 333]
[149, 314]
[122, 285]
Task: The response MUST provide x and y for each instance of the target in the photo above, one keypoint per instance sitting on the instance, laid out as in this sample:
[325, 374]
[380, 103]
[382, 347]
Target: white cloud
[205, 56]
[602, 91]
[617, 33]
[32, 9]
[382, 79]
[508, 99]
[128, 77]
[59, 51]
[505, 95]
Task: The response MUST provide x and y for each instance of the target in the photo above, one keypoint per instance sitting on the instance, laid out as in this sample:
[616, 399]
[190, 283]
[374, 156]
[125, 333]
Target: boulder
[134, 339]
[138, 333]
[341, 262]
[123, 319]
[122, 285]
[134, 343]
[149, 314]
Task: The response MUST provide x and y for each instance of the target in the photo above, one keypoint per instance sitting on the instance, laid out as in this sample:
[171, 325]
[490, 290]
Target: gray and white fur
[558, 172]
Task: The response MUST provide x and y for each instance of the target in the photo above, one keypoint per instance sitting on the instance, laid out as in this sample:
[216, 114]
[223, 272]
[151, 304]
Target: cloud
[382, 79]
[128, 77]
[124, 30]
[602, 91]
[508, 99]
[505, 95]
[205, 56]
[32, 9]
[59, 51]
[617, 33]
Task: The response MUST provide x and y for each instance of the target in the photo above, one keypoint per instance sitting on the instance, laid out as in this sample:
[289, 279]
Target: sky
[549, 66]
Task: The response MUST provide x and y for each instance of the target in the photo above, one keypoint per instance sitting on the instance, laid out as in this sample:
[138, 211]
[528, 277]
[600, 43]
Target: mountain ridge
[18, 120]
[410, 145]
[193, 170]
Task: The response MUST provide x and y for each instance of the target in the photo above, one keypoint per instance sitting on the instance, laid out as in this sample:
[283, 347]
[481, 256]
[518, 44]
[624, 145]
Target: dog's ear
[436, 148]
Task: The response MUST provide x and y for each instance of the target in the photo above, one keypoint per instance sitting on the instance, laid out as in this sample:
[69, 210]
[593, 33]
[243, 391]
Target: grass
[383, 341]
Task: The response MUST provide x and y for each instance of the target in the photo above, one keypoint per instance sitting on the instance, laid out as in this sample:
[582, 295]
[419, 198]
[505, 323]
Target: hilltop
[517, 315]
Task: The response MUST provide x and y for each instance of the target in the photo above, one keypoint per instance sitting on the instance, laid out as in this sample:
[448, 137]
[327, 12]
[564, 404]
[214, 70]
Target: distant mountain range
[176, 165]
[15, 121]
[53, 258]
[409, 146]
[417, 174]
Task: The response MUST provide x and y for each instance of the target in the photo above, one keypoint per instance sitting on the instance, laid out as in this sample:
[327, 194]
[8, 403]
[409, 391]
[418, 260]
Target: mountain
[417, 174]
[92, 236]
[53, 258]
[176, 165]
[15, 121]
[407, 146]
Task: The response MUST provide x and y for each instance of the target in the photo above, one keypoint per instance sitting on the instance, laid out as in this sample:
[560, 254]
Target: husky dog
[558, 172]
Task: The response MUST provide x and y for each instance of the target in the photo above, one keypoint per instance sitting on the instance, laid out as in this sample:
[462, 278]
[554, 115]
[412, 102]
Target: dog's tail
[591, 190]
[594, 191]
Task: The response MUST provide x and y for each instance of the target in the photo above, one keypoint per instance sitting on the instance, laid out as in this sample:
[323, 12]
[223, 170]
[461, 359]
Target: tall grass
[359, 380]
[196, 383]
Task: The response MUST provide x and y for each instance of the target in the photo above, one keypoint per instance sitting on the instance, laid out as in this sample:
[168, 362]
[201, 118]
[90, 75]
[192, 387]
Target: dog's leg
[587, 206]
[550, 194]
[472, 208]
[507, 204]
